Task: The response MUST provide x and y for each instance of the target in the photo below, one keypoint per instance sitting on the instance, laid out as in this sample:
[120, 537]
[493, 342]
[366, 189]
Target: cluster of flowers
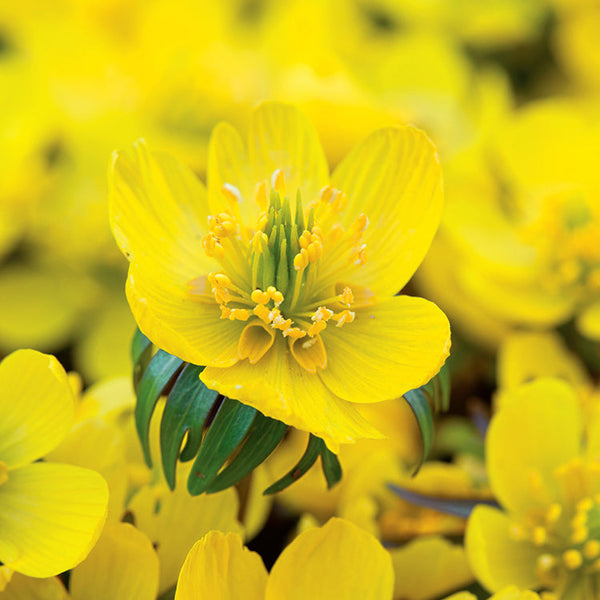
[280, 276]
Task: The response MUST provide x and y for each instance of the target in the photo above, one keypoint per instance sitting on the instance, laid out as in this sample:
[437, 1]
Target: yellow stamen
[278, 181]
[260, 196]
[347, 296]
[540, 535]
[346, 316]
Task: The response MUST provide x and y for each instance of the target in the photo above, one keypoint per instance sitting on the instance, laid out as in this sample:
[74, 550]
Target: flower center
[277, 275]
[565, 233]
[568, 538]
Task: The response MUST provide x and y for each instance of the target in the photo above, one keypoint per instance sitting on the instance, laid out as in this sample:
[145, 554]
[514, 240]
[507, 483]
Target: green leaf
[332, 469]
[438, 390]
[263, 436]
[230, 426]
[313, 449]
[141, 353]
[419, 403]
[186, 410]
[160, 371]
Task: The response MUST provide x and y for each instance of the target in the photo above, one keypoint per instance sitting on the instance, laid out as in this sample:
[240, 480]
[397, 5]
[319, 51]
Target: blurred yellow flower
[275, 299]
[312, 566]
[547, 536]
[522, 223]
[50, 514]
[509, 593]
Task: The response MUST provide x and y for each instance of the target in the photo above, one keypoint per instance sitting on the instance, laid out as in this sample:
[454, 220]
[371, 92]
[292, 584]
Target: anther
[278, 181]
[347, 296]
[591, 549]
[231, 193]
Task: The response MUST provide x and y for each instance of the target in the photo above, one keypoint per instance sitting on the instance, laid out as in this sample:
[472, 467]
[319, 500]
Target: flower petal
[50, 517]
[390, 348]
[121, 566]
[36, 406]
[29, 588]
[219, 566]
[158, 214]
[313, 566]
[280, 388]
[538, 428]
[175, 520]
[191, 330]
[281, 137]
[228, 163]
[428, 567]
[394, 177]
[496, 559]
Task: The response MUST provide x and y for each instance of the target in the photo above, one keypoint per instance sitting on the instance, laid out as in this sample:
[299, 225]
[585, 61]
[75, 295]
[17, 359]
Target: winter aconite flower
[50, 514]
[281, 279]
[548, 481]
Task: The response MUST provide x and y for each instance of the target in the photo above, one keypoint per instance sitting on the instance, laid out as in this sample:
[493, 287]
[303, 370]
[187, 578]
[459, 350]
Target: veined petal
[496, 559]
[121, 566]
[338, 560]
[537, 430]
[175, 520]
[281, 137]
[394, 177]
[228, 163]
[158, 215]
[158, 212]
[392, 347]
[175, 322]
[22, 587]
[219, 566]
[50, 517]
[280, 388]
[36, 404]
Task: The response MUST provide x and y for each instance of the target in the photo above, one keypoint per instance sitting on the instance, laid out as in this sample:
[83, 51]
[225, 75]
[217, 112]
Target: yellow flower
[338, 560]
[292, 309]
[50, 514]
[528, 254]
[548, 535]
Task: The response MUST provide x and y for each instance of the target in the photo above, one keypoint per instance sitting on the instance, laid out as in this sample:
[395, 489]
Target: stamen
[278, 181]
[572, 559]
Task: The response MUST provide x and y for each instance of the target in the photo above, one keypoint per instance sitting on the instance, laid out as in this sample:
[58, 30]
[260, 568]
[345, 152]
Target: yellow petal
[394, 346]
[280, 388]
[513, 593]
[588, 321]
[309, 353]
[524, 356]
[394, 177]
[158, 212]
[429, 567]
[122, 565]
[158, 215]
[219, 566]
[175, 520]
[538, 429]
[96, 445]
[338, 560]
[228, 163]
[496, 559]
[5, 576]
[194, 331]
[28, 588]
[36, 406]
[256, 339]
[50, 517]
[281, 137]
[515, 304]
